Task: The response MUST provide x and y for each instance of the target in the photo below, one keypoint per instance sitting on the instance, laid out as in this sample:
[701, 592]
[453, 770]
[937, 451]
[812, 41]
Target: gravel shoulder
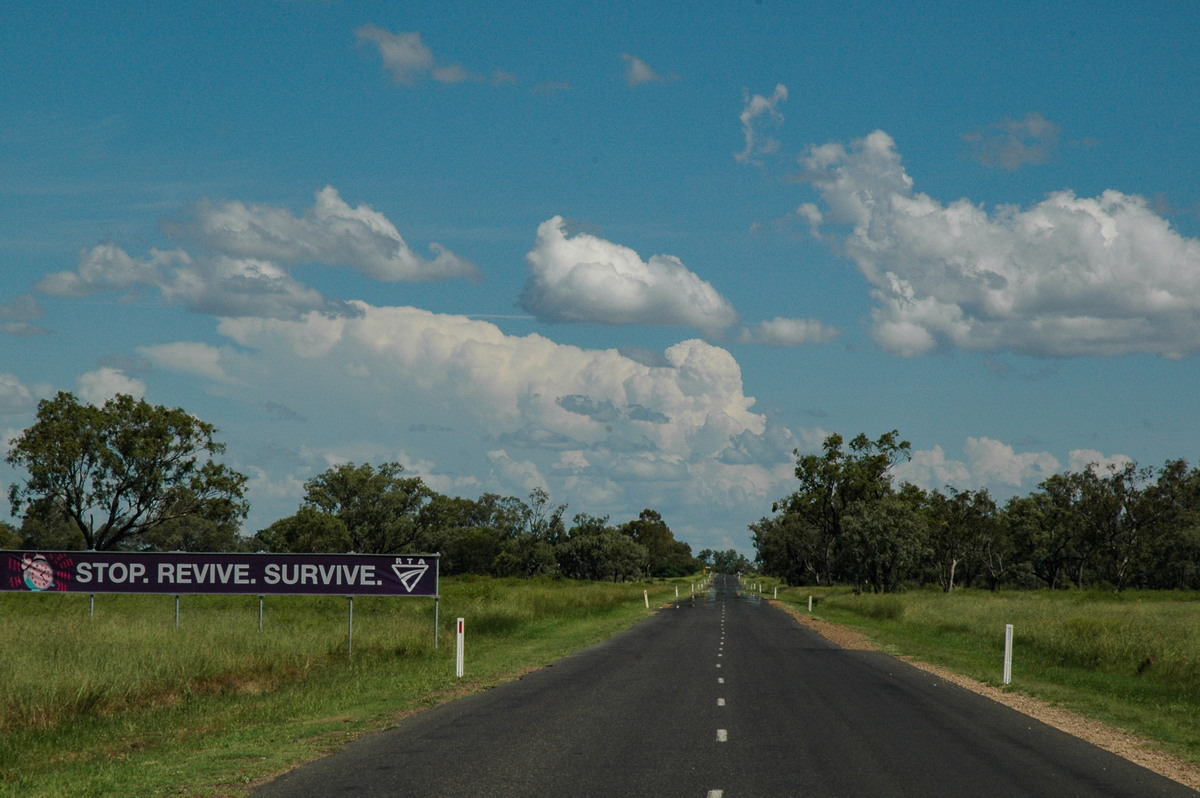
[1134, 749]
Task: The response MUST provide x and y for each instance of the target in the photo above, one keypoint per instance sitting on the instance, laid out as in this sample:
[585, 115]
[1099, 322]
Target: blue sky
[633, 253]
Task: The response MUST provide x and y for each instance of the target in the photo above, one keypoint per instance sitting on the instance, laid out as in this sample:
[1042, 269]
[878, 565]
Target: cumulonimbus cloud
[585, 279]
[572, 415]
[1069, 276]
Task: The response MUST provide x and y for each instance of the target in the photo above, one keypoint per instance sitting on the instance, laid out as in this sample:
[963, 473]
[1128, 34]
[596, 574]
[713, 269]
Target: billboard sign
[188, 573]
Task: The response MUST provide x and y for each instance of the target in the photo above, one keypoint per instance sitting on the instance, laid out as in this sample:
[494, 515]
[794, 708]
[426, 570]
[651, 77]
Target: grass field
[1131, 660]
[126, 703]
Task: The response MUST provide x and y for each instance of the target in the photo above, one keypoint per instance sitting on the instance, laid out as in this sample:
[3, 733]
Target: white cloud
[789, 332]
[404, 54]
[519, 476]
[108, 267]
[248, 249]
[97, 387]
[15, 396]
[583, 278]
[1013, 143]
[932, 470]
[993, 462]
[410, 61]
[758, 113]
[1079, 460]
[997, 466]
[638, 72]
[17, 317]
[589, 425]
[1069, 276]
[330, 232]
[187, 357]
[216, 285]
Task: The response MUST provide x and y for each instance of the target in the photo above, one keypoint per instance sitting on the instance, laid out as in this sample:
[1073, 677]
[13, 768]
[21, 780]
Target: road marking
[716, 794]
[722, 736]
[720, 702]
[718, 664]
[720, 680]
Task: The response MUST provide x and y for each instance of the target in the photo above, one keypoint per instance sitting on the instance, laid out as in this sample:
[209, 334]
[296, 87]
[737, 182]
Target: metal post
[260, 613]
[350, 629]
[177, 612]
[92, 606]
[437, 600]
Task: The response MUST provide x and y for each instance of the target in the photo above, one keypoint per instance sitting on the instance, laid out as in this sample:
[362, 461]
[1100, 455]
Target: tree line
[848, 522]
[132, 476]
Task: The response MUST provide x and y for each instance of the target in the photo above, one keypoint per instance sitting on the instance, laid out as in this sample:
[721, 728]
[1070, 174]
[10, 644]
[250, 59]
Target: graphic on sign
[408, 572]
[37, 572]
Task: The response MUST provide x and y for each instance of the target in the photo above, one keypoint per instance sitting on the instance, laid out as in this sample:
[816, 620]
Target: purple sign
[257, 574]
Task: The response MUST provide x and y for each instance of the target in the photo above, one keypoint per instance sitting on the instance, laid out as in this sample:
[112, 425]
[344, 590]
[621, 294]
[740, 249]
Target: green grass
[125, 703]
[1131, 660]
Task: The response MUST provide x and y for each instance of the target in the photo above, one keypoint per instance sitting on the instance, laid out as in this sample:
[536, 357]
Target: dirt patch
[1116, 741]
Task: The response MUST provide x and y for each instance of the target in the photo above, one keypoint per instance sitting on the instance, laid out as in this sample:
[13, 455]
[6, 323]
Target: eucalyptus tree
[961, 525]
[884, 542]
[122, 469]
[378, 506]
[831, 484]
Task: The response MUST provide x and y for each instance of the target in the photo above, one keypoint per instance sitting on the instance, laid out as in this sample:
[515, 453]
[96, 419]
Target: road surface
[722, 696]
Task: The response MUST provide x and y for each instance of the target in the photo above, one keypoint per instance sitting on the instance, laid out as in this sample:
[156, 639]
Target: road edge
[1135, 749]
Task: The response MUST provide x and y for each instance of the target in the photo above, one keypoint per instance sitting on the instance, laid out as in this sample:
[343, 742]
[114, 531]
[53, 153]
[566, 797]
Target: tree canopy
[118, 471]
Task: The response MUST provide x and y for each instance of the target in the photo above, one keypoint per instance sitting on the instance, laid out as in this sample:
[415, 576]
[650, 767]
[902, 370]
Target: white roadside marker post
[646, 596]
[1008, 643]
[459, 650]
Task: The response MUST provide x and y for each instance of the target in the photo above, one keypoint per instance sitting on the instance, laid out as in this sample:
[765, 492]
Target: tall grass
[216, 696]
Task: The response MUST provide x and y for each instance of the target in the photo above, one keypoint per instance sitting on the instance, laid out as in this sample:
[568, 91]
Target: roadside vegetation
[125, 703]
[1114, 526]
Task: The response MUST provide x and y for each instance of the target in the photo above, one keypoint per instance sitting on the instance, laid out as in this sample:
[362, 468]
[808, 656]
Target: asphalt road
[722, 696]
